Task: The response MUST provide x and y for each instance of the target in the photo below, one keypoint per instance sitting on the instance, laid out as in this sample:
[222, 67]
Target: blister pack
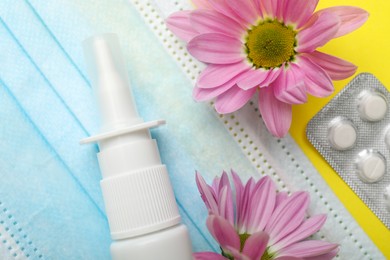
[352, 133]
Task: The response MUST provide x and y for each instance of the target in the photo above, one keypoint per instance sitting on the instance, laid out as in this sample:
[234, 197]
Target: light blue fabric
[50, 201]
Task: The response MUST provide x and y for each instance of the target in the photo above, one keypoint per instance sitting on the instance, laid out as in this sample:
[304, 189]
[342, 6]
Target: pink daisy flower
[265, 46]
[260, 224]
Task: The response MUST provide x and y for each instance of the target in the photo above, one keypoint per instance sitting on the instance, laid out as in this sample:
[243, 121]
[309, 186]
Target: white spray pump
[141, 208]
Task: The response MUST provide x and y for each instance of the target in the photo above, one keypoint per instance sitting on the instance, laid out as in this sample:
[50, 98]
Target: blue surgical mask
[50, 200]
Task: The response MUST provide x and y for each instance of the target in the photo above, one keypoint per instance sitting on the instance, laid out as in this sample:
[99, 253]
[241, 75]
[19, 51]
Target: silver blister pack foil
[358, 147]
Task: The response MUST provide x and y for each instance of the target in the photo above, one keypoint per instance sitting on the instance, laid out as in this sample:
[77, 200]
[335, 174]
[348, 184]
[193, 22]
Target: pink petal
[253, 78]
[237, 181]
[225, 204]
[290, 87]
[237, 255]
[224, 181]
[209, 21]
[351, 18]
[222, 204]
[233, 99]
[269, 8]
[245, 212]
[216, 48]
[306, 229]
[215, 184]
[323, 28]
[327, 256]
[277, 115]
[216, 74]
[258, 6]
[206, 194]
[336, 68]
[202, 4]
[262, 205]
[272, 76]
[223, 232]
[246, 9]
[179, 24]
[222, 7]
[288, 258]
[280, 197]
[256, 245]
[308, 248]
[280, 8]
[207, 256]
[239, 188]
[317, 81]
[287, 217]
[298, 11]
[202, 94]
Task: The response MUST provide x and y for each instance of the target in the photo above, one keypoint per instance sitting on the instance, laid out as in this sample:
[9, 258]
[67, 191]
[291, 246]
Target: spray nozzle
[109, 79]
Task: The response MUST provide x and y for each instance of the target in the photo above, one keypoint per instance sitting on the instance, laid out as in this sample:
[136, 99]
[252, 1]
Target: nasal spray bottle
[141, 208]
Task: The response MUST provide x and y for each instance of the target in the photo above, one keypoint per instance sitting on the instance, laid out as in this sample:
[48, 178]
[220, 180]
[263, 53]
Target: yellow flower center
[270, 44]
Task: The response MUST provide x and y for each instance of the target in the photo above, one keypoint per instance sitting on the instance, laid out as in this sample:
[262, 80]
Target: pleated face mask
[50, 200]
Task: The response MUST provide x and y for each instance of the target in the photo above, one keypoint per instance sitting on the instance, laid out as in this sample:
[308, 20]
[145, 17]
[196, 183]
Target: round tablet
[342, 134]
[371, 166]
[387, 138]
[387, 197]
[372, 106]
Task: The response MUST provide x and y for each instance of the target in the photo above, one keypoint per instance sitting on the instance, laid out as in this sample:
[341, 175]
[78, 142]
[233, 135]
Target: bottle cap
[136, 188]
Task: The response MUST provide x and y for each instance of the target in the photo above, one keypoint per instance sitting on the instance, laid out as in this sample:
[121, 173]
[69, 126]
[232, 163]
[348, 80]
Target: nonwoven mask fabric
[50, 201]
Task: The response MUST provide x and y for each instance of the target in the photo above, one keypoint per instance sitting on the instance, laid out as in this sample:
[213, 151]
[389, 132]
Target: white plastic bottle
[141, 209]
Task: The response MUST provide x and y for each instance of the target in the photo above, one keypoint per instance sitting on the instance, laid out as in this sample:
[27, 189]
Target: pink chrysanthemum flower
[260, 224]
[265, 45]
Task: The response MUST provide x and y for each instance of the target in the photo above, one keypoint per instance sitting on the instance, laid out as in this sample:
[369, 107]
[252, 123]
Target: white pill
[371, 166]
[342, 134]
[387, 197]
[387, 138]
[372, 106]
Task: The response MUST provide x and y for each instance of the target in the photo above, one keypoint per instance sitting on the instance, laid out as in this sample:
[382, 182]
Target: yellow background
[369, 49]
